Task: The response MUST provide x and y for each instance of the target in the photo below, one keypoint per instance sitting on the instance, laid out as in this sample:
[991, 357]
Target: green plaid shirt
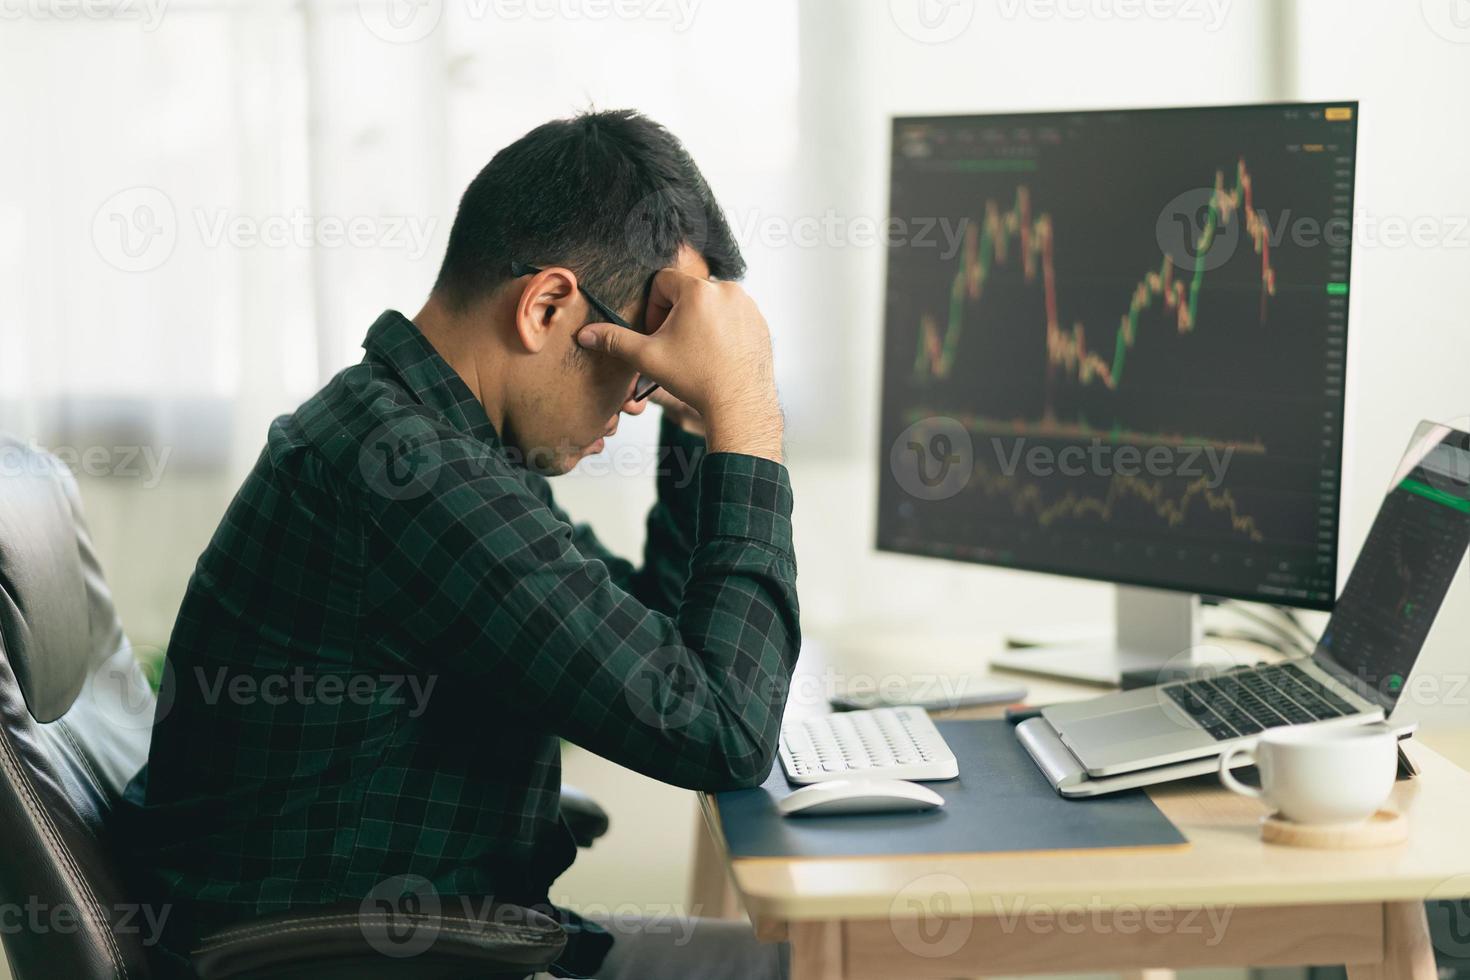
[395, 623]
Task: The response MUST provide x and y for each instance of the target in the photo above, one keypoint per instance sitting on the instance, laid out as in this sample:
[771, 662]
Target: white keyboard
[884, 743]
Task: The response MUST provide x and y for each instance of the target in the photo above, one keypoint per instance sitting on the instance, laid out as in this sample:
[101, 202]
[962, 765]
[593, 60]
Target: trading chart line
[990, 243]
[1029, 500]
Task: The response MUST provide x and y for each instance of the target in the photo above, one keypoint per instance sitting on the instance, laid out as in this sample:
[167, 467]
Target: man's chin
[565, 461]
[583, 453]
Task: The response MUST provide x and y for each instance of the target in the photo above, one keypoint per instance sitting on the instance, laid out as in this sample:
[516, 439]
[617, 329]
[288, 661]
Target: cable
[1245, 636]
[1291, 617]
[1292, 641]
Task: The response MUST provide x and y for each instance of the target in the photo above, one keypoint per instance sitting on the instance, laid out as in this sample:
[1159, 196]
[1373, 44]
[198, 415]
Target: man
[395, 624]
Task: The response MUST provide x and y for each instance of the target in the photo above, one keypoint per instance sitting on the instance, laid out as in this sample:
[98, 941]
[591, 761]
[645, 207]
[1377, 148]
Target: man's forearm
[752, 426]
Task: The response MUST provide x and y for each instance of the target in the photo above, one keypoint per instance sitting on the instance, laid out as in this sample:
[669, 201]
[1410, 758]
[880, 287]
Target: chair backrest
[75, 717]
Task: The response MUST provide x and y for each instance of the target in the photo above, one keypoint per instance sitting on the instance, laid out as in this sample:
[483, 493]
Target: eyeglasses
[642, 387]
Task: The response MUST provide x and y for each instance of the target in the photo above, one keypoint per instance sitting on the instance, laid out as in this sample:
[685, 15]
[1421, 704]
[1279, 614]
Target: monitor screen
[1414, 549]
[1114, 345]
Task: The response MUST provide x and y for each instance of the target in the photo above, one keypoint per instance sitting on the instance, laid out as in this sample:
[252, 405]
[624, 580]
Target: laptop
[1414, 551]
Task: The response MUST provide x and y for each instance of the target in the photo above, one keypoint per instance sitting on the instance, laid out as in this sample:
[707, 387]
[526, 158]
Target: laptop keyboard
[1251, 701]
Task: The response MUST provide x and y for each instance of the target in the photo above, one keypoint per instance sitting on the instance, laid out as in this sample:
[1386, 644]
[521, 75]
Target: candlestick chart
[1158, 284]
[990, 241]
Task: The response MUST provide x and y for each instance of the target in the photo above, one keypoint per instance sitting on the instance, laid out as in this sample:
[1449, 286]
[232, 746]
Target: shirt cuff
[745, 497]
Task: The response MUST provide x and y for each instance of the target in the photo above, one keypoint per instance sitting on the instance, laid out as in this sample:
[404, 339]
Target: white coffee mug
[1311, 775]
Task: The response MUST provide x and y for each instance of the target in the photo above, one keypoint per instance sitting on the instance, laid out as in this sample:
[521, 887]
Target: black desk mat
[1000, 802]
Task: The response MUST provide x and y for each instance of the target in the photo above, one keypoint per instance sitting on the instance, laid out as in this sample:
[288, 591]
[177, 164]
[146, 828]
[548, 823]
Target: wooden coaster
[1380, 830]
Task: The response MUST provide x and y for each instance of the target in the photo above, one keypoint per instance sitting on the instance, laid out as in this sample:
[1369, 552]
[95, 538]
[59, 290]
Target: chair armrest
[348, 943]
[586, 820]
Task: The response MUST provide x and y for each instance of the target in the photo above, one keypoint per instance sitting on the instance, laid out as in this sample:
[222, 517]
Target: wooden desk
[1228, 900]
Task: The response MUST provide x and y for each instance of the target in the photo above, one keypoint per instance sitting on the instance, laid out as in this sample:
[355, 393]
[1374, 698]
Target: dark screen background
[1260, 375]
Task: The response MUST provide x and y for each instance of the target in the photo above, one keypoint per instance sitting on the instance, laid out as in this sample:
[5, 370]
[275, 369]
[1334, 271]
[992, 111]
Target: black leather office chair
[75, 719]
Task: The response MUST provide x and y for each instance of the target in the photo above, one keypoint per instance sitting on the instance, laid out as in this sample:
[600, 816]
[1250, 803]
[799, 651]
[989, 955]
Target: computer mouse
[839, 796]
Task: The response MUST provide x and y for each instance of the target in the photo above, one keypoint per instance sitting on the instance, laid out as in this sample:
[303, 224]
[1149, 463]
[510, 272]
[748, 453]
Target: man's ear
[548, 300]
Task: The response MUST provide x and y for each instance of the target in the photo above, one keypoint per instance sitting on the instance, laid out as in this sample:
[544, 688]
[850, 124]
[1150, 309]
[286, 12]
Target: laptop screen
[1411, 555]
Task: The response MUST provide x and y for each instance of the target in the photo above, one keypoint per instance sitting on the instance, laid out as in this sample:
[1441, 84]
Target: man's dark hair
[610, 195]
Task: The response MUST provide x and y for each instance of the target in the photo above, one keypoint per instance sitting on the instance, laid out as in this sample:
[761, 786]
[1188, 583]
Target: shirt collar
[394, 341]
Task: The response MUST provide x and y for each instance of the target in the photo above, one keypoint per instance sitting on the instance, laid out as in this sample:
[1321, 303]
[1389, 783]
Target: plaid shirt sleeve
[659, 583]
[686, 685]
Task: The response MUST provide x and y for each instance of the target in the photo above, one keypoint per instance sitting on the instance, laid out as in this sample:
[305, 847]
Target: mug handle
[1228, 778]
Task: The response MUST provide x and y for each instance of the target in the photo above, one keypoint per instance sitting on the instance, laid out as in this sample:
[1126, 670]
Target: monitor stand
[1154, 629]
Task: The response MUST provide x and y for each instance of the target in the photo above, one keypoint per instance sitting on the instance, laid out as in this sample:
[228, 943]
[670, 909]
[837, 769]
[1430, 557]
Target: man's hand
[709, 346]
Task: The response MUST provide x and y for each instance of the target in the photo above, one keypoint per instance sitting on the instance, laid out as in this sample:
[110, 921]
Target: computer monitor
[1114, 348]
